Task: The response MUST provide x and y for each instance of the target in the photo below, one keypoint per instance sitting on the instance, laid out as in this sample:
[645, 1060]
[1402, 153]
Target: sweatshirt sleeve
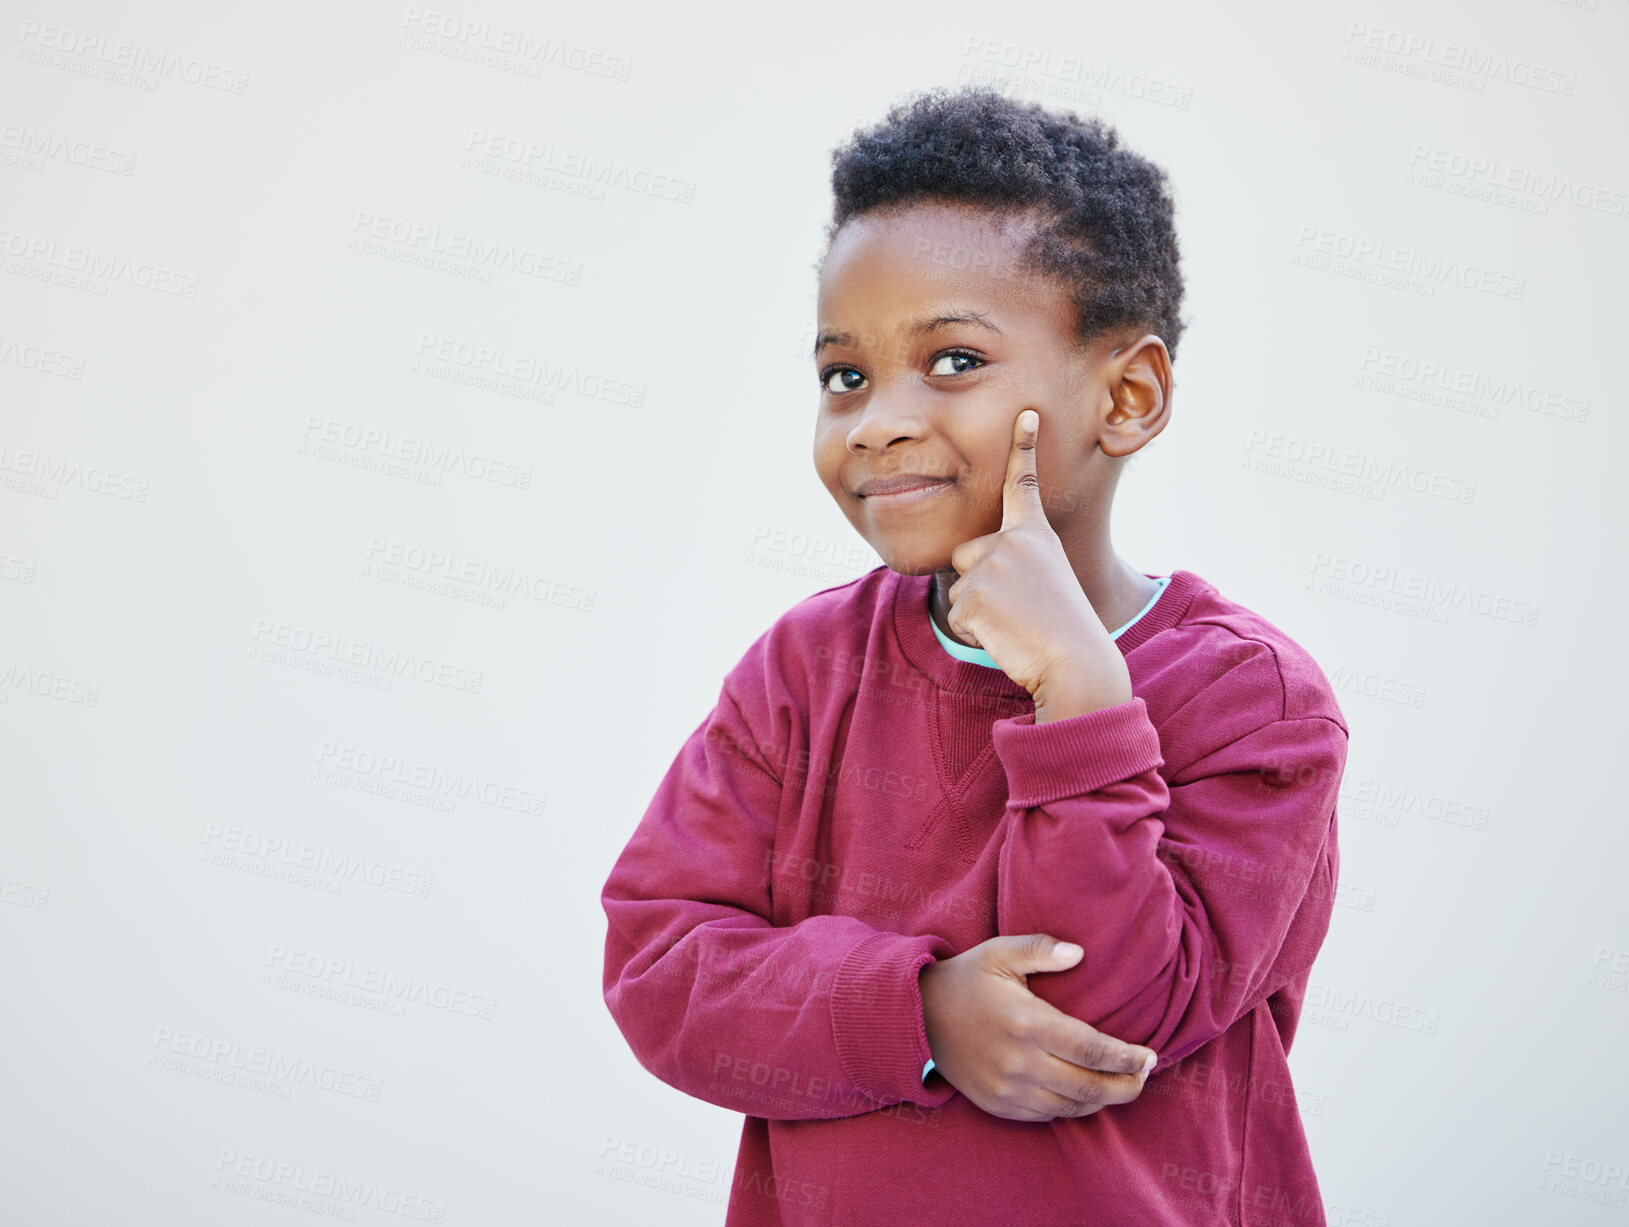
[818, 1019]
[1193, 901]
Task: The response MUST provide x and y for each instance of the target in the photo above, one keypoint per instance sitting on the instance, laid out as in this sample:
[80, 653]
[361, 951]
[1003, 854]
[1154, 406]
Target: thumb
[1032, 952]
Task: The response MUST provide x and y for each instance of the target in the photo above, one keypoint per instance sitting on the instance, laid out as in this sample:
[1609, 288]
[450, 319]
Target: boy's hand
[1019, 599]
[1011, 1053]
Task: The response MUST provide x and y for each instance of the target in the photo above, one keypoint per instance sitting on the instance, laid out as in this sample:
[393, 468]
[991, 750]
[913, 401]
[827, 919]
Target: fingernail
[1148, 1065]
[1066, 950]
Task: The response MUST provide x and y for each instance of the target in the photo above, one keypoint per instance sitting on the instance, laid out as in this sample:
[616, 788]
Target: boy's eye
[846, 379]
[841, 379]
[959, 359]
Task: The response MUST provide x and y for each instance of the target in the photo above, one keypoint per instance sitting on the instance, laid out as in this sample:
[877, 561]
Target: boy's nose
[891, 415]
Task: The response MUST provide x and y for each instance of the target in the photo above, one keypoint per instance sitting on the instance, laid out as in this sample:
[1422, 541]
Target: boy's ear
[1138, 395]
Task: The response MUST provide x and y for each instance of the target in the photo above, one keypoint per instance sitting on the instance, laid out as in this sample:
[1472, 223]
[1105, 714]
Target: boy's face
[930, 341]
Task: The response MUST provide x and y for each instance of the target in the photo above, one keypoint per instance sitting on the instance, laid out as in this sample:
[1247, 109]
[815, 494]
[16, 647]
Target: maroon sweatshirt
[861, 803]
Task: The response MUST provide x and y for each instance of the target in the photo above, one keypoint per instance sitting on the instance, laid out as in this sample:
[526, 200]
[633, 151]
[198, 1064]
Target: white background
[225, 267]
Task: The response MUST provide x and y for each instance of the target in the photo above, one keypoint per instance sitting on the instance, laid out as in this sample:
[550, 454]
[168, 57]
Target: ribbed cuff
[1077, 755]
[876, 1012]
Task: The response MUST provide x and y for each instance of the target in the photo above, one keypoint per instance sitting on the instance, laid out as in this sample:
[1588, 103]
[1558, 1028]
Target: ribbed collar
[913, 626]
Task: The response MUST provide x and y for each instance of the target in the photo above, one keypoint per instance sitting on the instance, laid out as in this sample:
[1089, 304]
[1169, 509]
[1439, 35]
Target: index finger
[1021, 495]
[1081, 1044]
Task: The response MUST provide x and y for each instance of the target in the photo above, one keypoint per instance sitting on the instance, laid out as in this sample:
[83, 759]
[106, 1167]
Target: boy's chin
[909, 561]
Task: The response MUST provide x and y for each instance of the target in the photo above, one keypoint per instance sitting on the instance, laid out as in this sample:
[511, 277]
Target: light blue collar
[979, 656]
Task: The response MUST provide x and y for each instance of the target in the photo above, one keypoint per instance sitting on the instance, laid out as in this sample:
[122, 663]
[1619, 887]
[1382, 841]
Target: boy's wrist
[1082, 687]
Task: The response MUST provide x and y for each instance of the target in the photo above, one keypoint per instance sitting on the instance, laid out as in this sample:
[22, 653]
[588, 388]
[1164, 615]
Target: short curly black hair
[1108, 228]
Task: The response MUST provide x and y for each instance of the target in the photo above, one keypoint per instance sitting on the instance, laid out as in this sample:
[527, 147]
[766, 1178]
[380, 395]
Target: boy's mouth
[902, 486]
[918, 490]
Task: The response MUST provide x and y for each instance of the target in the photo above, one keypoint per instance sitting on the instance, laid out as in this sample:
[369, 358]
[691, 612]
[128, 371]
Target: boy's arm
[818, 1019]
[1183, 897]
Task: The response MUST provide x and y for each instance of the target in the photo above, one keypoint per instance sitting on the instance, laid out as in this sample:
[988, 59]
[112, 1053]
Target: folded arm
[818, 1019]
[1193, 901]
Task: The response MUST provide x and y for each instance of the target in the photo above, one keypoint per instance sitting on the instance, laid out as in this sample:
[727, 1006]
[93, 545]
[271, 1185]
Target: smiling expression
[931, 339]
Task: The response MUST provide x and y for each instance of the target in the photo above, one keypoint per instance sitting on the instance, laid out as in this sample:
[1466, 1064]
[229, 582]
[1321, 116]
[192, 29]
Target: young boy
[970, 838]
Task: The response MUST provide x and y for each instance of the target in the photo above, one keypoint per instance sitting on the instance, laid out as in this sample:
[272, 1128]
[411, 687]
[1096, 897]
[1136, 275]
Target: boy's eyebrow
[926, 324]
